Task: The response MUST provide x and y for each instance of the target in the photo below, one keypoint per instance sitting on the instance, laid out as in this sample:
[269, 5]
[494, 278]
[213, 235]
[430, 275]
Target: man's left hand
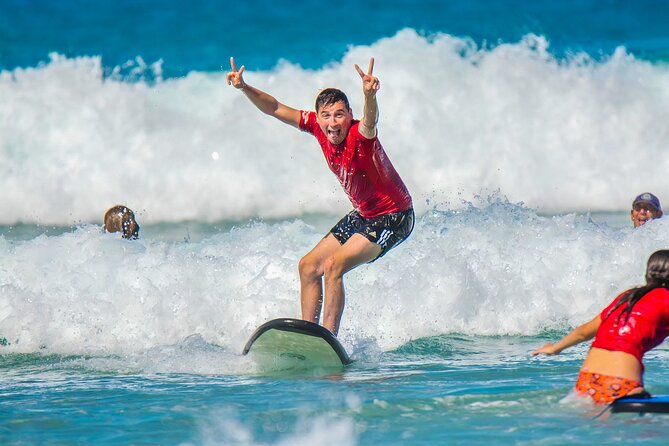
[370, 83]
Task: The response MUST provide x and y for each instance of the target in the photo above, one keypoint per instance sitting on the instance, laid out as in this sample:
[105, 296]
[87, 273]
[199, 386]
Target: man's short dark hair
[331, 96]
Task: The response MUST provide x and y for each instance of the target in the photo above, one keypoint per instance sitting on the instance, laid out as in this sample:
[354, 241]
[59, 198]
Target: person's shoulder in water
[121, 219]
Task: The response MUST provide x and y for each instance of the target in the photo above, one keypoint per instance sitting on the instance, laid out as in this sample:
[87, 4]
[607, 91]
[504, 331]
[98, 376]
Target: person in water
[382, 215]
[645, 207]
[635, 322]
[121, 219]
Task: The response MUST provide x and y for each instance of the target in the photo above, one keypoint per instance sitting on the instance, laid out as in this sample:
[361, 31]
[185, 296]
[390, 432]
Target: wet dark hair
[331, 96]
[657, 276]
[121, 219]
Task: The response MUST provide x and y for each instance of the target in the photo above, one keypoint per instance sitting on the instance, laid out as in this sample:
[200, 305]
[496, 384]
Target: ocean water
[523, 131]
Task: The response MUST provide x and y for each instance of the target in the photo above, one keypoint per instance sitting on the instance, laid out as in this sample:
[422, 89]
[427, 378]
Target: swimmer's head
[645, 207]
[121, 219]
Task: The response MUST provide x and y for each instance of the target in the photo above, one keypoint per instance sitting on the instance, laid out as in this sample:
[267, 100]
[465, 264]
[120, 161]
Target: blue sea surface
[522, 129]
[449, 389]
[201, 35]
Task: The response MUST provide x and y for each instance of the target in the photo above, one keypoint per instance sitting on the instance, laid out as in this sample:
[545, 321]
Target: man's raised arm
[266, 103]
[370, 111]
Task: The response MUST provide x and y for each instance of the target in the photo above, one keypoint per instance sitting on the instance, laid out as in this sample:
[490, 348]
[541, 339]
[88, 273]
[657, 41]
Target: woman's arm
[579, 334]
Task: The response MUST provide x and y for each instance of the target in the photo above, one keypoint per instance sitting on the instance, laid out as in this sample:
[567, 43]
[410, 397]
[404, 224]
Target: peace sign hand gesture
[370, 83]
[234, 77]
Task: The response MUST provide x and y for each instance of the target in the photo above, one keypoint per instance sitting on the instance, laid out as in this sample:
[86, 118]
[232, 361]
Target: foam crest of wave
[456, 119]
[491, 268]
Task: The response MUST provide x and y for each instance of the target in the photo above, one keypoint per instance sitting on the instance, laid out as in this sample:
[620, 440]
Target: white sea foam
[491, 268]
[456, 119]
[225, 428]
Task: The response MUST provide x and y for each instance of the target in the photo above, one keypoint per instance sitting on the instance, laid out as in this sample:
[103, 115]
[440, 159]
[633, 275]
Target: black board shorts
[387, 230]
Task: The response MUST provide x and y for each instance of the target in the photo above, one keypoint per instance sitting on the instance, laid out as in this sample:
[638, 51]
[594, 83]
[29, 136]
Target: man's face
[335, 120]
[643, 212]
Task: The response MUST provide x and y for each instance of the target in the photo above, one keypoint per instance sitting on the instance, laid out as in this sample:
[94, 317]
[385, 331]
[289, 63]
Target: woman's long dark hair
[657, 276]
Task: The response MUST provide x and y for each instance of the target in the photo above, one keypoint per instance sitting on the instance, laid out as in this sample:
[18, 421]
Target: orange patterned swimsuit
[603, 389]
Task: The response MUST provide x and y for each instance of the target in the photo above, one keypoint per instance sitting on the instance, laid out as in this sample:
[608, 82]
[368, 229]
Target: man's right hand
[234, 77]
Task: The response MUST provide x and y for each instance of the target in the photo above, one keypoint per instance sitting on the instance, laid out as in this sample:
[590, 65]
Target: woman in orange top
[635, 322]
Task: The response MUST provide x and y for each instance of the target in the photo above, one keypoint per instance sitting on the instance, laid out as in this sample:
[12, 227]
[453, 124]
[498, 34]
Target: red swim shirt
[646, 327]
[363, 169]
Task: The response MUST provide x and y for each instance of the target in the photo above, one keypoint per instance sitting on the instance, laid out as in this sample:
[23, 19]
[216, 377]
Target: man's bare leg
[356, 251]
[311, 277]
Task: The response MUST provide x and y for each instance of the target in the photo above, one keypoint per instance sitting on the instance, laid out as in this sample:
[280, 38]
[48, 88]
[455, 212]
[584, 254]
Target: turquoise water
[446, 389]
[108, 341]
[522, 129]
[201, 35]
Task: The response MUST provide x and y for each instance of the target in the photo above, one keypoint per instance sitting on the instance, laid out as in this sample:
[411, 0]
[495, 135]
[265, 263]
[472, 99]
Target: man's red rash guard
[363, 169]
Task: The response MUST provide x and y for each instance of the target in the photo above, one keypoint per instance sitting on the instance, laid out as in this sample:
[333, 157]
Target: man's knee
[309, 269]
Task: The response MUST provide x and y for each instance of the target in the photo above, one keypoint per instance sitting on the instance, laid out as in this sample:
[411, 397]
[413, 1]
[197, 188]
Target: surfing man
[645, 207]
[121, 219]
[382, 215]
[634, 323]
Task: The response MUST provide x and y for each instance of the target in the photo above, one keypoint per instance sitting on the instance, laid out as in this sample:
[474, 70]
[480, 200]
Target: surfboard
[294, 344]
[652, 404]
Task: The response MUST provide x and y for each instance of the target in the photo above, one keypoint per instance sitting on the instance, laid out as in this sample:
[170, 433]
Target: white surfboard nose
[294, 344]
